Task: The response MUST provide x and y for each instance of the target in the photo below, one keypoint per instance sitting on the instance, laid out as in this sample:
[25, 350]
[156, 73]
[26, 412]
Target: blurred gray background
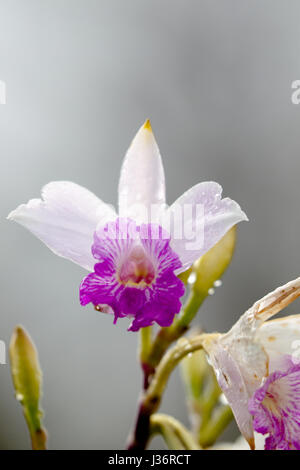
[215, 79]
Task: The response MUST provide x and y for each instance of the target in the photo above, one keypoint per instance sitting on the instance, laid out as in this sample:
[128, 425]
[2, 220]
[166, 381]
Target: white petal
[65, 220]
[239, 364]
[142, 179]
[199, 219]
[280, 337]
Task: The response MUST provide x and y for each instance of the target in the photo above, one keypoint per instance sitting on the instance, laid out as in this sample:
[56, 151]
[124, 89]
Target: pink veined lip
[134, 275]
[275, 408]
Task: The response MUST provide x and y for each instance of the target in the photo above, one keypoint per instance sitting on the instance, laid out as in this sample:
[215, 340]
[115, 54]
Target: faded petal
[142, 179]
[281, 336]
[199, 219]
[272, 303]
[65, 219]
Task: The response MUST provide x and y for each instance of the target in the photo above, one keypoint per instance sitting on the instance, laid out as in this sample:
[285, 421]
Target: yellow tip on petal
[147, 125]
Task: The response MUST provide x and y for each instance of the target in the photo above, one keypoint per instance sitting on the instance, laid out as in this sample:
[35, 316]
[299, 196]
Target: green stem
[144, 351]
[209, 433]
[39, 439]
[169, 362]
[190, 309]
[208, 404]
[145, 343]
[176, 435]
[152, 396]
[166, 336]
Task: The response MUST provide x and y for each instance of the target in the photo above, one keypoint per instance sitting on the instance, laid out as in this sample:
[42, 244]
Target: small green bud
[27, 380]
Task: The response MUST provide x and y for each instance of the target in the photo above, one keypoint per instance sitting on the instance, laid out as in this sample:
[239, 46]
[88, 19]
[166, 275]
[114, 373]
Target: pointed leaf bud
[27, 380]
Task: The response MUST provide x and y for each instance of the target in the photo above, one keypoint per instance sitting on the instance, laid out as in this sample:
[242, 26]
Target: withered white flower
[251, 357]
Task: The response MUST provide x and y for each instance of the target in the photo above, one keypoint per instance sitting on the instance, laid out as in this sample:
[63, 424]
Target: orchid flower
[258, 369]
[134, 256]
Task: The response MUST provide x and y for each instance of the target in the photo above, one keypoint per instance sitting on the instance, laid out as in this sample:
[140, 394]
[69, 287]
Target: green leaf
[27, 380]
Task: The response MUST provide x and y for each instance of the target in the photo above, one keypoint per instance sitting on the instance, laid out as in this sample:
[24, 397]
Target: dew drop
[211, 291]
[192, 278]
[209, 360]
[218, 283]
[223, 399]
[19, 396]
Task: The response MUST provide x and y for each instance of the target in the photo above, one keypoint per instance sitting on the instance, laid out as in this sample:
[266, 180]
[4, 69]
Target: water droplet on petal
[218, 283]
[223, 399]
[211, 291]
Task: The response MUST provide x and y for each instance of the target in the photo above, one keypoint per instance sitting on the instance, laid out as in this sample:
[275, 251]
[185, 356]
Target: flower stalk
[145, 344]
[167, 336]
[176, 436]
[151, 398]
